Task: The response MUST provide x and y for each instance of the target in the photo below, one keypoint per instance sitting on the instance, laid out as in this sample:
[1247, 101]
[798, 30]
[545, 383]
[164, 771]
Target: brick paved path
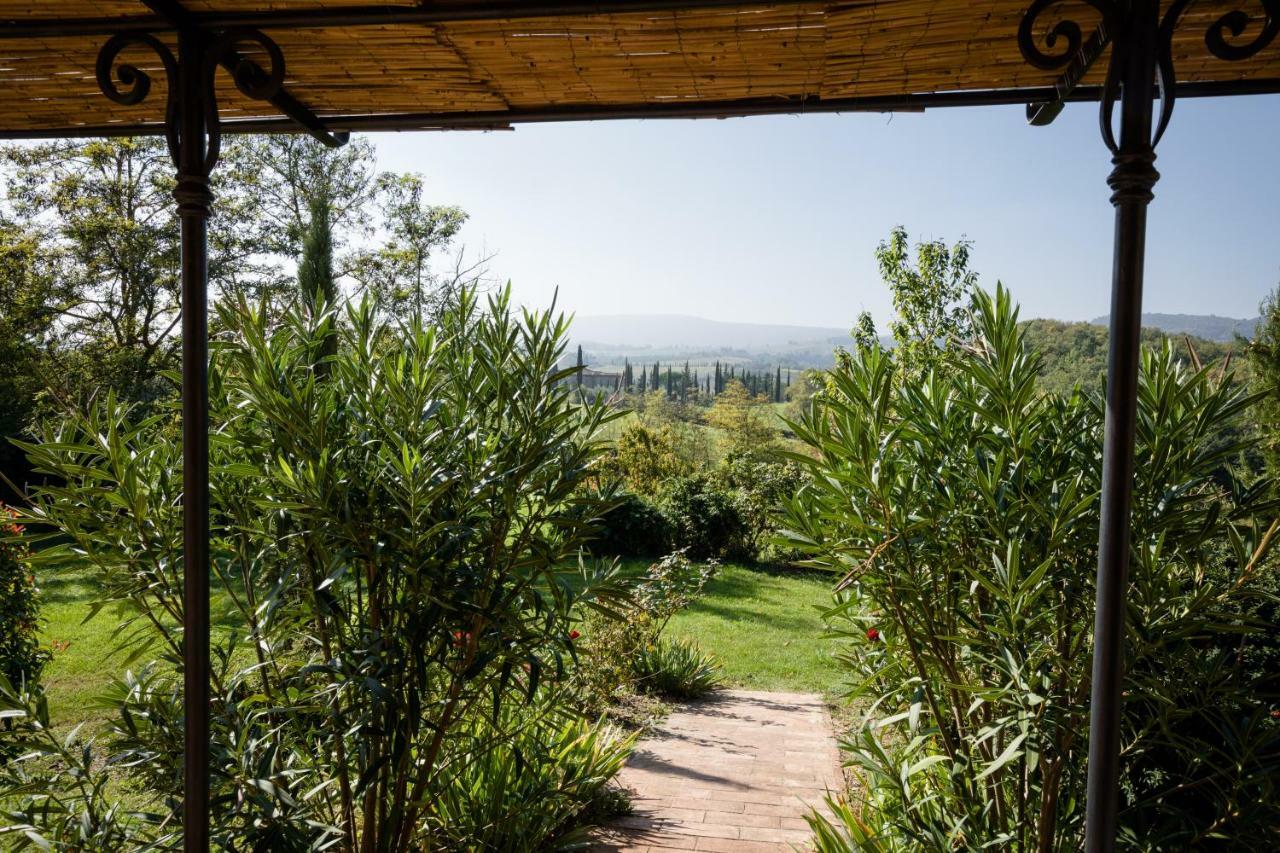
[732, 773]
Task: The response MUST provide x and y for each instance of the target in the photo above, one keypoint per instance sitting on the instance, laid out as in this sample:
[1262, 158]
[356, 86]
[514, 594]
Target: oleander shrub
[959, 508]
[396, 540]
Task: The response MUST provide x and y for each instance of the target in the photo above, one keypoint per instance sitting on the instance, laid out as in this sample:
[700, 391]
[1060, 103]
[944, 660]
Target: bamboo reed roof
[793, 56]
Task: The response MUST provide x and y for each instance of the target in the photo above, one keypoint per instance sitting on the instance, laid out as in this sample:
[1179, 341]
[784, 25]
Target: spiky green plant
[961, 512]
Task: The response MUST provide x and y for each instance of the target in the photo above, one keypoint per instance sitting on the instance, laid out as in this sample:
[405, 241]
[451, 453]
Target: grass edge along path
[765, 626]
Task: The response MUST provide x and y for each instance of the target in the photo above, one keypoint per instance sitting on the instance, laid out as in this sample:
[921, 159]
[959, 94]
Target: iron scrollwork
[129, 85]
[1222, 39]
[137, 83]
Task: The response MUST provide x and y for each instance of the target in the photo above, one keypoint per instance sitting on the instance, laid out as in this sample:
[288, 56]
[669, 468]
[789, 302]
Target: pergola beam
[503, 119]
[440, 12]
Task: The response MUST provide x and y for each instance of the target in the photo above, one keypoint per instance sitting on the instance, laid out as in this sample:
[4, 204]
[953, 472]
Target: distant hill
[1077, 352]
[1208, 326]
[638, 332]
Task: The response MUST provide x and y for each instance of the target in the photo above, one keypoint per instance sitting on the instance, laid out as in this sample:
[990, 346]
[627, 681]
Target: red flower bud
[573, 635]
[1275, 715]
[873, 635]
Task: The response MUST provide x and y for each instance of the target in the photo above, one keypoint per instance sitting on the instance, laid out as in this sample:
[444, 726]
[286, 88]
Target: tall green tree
[931, 293]
[288, 173]
[398, 272]
[101, 213]
[316, 282]
[31, 295]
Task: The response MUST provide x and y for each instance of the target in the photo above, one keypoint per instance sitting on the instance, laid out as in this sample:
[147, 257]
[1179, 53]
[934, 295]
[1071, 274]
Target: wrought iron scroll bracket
[1061, 46]
[127, 84]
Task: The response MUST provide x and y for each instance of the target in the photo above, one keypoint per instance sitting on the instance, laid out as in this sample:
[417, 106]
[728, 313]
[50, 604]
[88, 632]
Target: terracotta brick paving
[732, 773]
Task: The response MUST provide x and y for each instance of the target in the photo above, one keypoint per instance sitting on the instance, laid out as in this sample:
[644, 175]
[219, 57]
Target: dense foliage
[631, 653]
[394, 548]
[89, 257]
[1264, 368]
[961, 512]
[1076, 353]
[21, 658]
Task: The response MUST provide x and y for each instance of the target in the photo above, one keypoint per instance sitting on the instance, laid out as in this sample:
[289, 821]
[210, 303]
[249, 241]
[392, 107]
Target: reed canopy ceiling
[379, 64]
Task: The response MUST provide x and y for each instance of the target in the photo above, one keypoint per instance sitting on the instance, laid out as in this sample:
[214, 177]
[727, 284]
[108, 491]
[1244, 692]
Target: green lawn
[765, 626]
[82, 663]
[85, 651]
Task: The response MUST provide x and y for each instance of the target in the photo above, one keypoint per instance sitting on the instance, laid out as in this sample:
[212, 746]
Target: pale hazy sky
[775, 219]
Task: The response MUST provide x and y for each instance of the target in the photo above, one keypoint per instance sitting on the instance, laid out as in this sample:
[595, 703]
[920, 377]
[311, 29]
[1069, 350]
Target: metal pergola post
[194, 198]
[1131, 181]
[193, 132]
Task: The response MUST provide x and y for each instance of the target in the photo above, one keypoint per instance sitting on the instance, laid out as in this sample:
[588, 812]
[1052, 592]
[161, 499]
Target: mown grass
[86, 651]
[83, 651]
[765, 626]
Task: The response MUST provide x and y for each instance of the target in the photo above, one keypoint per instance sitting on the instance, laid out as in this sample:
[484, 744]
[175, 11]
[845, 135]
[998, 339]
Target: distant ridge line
[1208, 326]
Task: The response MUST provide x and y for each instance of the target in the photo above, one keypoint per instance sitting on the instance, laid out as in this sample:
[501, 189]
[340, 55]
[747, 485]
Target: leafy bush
[522, 782]
[620, 652]
[56, 788]
[21, 658]
[392, 534]
[645, 457]
[760, 483]
[672, 584]
[961, 510]
[704, 517]
[632, 527]
[676, 668]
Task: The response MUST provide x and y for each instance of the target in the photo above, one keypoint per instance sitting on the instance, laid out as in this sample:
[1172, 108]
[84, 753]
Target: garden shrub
[704, 518]
[393, 539]
[21, 658]
[760, 482]
[960, 509]
[521, 782]
[621, 655]
[632, 526]
[676, 668]
[645, 457]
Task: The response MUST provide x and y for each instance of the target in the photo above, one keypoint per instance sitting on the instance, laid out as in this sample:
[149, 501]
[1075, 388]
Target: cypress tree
[315, 273]
[579, 365]
[777, 386]
[670, 390]
[654, 382]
